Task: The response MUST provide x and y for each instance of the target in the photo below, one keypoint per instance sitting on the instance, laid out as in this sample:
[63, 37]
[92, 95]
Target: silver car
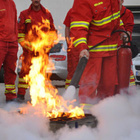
[57, 55]
[136, 68]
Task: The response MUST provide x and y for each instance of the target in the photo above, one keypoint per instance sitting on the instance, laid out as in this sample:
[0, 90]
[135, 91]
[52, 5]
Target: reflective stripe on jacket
[28, 18]
[95, 22]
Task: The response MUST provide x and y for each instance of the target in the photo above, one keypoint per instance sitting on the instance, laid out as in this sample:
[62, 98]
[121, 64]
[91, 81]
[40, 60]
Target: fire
[43, 94]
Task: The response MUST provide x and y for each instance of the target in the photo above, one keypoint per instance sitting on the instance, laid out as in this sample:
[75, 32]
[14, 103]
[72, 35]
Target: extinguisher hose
[120, 30]
[128, 36]
[83, 61]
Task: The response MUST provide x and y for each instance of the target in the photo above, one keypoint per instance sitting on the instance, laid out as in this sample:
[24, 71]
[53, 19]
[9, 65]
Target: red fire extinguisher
[124, 59]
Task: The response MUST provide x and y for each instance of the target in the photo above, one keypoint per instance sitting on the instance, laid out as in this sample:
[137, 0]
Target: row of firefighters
[88, 23]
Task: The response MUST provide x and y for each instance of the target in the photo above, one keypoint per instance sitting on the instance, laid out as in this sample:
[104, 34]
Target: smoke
[70, 93]
[118, 119]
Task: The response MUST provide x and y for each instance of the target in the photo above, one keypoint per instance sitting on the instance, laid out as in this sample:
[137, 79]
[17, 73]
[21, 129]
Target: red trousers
[8, 57]
[72, 61]
[98, 79]
[26, 63]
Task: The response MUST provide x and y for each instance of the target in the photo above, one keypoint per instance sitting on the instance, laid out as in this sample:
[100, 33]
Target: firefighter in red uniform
[72, 59]
[127, 20]
[91, 23]
[29, 17]
[8, 46]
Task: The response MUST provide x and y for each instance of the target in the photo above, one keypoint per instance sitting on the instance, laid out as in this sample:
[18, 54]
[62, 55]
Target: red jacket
[67, 18]
[94, 21]
[127, 22]
[28, 18]
[127, 19]
[8, 21]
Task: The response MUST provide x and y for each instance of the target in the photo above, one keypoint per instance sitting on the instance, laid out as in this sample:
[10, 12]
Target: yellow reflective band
[132, 77]
[2, 9]
[23, 86]
[79, 41]
[121, 22]
[47, 20]
[22, 80]
[29, 48]
[79, 24]
[9, 86]
[106, 20]
[132, 83]
[28, 21]
[104, 48]
[66, 86]
[20, 40]
[68, 81]
[10, 91]
[99, 3]
[86, 106]
[21, 35]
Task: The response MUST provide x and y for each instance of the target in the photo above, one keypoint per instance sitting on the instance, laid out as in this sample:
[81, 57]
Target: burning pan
[88, 120]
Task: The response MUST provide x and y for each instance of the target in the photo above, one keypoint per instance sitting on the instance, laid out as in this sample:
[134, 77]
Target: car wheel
[2, 75]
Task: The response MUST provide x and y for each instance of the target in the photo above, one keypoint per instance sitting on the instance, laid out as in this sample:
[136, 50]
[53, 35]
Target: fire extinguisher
[124, 65]
[124, 58]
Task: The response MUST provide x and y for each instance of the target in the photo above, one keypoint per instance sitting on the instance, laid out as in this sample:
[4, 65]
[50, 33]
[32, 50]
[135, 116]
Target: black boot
[20, 98]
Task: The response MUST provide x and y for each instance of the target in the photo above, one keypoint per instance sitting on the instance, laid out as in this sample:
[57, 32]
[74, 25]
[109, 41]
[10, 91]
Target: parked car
[136, 40]
[136, 68]
[57, 55]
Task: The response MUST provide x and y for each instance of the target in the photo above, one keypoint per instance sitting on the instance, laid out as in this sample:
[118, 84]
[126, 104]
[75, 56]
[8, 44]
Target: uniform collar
[122, 10]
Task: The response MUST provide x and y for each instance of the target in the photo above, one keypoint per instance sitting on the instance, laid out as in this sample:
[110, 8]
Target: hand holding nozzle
[84, 53]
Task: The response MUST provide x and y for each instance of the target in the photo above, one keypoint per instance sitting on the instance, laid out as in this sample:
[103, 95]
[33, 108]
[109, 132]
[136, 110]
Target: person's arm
[67, 27]
[129, 22]
[80, 22]
[52, 26]
[21, 33]
[16, 23]
[67, 35]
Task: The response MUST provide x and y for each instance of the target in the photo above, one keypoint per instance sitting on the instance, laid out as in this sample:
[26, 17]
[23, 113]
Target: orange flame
[42, 92]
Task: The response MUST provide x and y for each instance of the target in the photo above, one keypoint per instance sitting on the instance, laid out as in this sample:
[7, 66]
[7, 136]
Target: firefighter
[72, 58]
[91, 23]
[27, 19]
[8, 46]
[127, 19]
